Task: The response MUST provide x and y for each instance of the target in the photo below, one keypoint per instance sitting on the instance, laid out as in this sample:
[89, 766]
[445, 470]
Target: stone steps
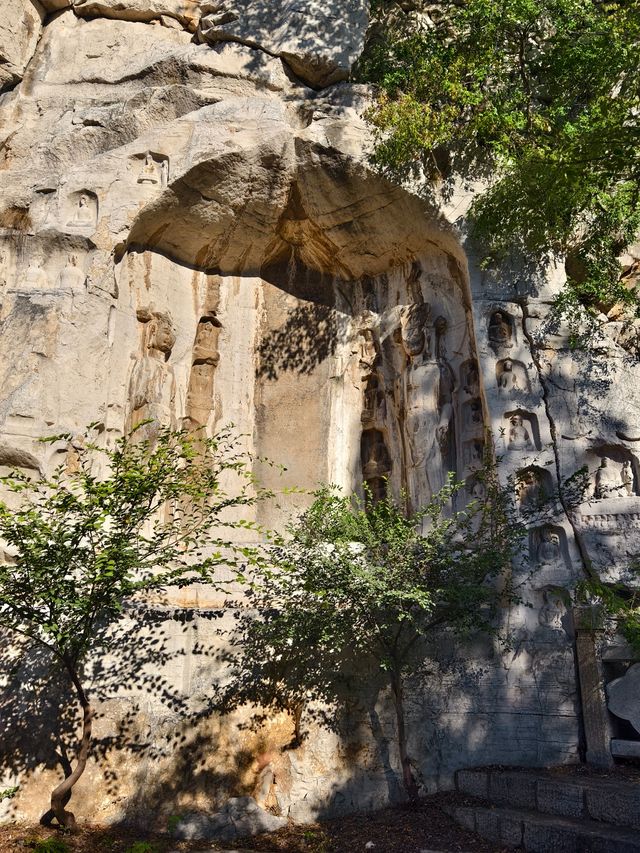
[548, 811]
[544, 833]
[610, 799]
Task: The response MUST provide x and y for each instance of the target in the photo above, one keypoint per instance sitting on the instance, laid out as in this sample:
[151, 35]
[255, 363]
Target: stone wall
[189, 231]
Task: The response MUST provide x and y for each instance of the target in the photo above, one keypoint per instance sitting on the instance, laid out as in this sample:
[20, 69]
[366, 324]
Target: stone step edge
[543, 833]
[610, 801]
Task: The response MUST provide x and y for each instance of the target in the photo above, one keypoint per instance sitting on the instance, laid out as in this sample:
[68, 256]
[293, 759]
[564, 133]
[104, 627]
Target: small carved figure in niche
[476, 490]
[529, 488]
[553, 610]
[35, 278]
[369, 299]
[518, 438]
[71, 276]
[499, 331]
[471, 379]
[508, 381]
[627, 477]
[374, 403]
[164, 173]
[83, 214]
[549, 547]
[148, 173]
[368, 350]
[152, 385]
[609, 482]
[376, 463]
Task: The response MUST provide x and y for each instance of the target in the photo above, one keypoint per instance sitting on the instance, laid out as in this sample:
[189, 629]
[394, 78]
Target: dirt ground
[424, 827]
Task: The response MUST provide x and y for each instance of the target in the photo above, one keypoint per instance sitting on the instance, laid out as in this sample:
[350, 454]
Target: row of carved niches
[150, 169]
[206, 355]
[32, 272]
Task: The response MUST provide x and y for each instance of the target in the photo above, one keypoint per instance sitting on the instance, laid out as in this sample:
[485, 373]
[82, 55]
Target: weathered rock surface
[190, 231]
[241, 817]
[319, 41]
[185, 12]
[20, 26]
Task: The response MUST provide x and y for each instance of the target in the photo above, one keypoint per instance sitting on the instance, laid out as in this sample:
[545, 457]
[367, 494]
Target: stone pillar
[587, 622]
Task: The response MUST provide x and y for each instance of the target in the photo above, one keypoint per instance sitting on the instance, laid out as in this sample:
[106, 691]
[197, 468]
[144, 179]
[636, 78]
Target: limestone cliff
[190, 231]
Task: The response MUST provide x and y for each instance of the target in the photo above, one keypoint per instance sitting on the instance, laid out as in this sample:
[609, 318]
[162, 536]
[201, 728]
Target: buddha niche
[549, 548]
[83, 214]
[518, 436]
[508, 381]
[609, 481]
[148, 173]
[499, 331]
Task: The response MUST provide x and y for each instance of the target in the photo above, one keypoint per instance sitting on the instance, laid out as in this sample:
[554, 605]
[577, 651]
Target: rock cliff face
[189, 231]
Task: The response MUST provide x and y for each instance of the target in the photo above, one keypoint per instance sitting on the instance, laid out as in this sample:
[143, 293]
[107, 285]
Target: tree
[538, 98]
[111, 524]
[355, 594]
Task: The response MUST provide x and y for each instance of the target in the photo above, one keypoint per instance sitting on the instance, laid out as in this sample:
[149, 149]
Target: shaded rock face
[189, 231]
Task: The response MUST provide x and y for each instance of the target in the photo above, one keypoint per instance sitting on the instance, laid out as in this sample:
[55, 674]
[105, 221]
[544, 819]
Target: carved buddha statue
[148, 173]
[519, 438]
[549, 548]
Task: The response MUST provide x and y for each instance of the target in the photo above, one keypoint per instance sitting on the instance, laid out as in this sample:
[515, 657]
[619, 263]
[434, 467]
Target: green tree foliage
[541, 98]
[112, 523]
[355, 593]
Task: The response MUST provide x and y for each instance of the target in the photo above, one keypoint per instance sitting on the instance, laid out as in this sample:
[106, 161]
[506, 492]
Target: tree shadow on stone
[133, 691]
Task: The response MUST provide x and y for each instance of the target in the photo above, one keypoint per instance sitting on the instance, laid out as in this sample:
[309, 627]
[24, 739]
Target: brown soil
[424, 827]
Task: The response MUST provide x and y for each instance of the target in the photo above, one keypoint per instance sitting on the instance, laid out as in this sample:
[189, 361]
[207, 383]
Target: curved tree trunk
[61, 795]
[408, 780]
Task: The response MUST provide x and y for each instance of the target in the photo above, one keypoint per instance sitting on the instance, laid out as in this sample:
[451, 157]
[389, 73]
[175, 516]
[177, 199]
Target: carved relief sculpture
[609, 482]
[373, 409]
[548, 552]
[376, 463]
[83, 214]
[152, 384]
[34, 277]
[149, 172]
[499, 332]
[72, 277]
[471, 378]
[200, 393]
[518, 437]
[627, 477]
[507, 380]
[530, 488]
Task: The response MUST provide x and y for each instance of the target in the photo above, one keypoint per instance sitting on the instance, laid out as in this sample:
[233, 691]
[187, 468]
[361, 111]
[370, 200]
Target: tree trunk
[410, 785]
[61, 795]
